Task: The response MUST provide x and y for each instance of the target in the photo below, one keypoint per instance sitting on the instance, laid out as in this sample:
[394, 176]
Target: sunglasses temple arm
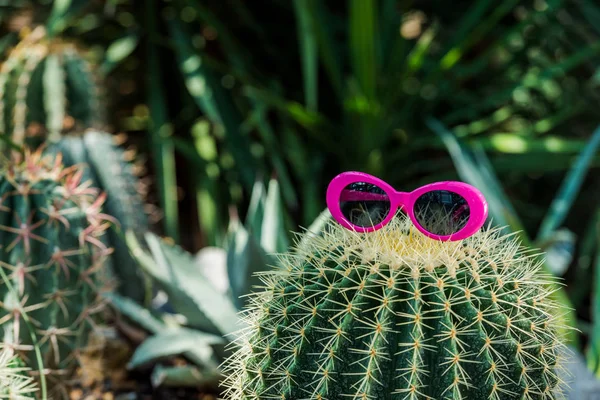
[352, 195]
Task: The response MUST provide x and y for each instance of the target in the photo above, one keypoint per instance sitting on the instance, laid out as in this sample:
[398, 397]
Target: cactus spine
[14, 382]
[395, 315]
[52, 250]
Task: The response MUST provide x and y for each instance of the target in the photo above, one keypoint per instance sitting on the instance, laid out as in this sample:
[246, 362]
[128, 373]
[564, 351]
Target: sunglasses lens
[442, 212]
[364, 204]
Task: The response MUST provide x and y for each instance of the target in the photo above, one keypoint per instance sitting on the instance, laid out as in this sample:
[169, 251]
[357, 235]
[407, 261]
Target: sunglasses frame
[478, 207]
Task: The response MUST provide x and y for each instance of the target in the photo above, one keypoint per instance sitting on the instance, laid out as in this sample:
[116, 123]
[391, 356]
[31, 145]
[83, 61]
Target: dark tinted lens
[442, 212]
[364, 204]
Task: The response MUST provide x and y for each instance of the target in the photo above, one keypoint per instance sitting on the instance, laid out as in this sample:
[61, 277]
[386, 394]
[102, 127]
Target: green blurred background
[218, 95]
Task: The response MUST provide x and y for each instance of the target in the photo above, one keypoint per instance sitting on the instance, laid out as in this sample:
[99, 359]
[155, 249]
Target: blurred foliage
[206, 291]
[221, 94]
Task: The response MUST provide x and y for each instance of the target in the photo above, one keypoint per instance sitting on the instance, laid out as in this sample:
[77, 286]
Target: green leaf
[160, 130]
[245, 258]
[119, 50]
[316, 229]
[363, 41]
[195, 345]
[317, 126]
[591, 12]
[467, 23]
[593, 351]
[190, 294]
[471, 171]
[510, 143]
[569, 188]
[273, 238]
[330, 54]
[184, 376]
[584, 268]
[256, 209]
[62, 10]
[259, 119]
[135, 312]
[308, 52]
[215, 102]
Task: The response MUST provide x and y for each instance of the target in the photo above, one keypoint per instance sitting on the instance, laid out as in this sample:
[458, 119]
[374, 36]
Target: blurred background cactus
[288, 94]
[46, 88]
[49, 97]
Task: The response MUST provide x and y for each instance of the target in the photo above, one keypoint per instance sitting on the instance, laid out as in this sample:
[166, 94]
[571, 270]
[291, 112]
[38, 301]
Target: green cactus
[49, 96]
[15, 384]
[114, 171]
[52, 251]
[395, 315]
[46, 88]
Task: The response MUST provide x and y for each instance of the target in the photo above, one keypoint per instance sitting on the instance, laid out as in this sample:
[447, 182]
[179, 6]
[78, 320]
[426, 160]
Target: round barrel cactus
[52, 255]
[393, 314]
[46, 87]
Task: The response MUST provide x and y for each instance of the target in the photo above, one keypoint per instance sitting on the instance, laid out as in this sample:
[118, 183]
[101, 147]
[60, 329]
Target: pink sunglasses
[442, 210]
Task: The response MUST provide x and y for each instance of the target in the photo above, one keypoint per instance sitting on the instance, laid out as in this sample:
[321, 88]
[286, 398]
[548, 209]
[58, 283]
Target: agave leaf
[245, 257]
[256, 209]
[316, 228]
[183, 376]
[194, 344]
[273, 237]
[190, 293]
[136, 313]
[212, 262]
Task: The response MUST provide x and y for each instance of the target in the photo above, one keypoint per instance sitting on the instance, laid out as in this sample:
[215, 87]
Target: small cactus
[52, 253]
[15, 384]
[46, 88]
[395, 315]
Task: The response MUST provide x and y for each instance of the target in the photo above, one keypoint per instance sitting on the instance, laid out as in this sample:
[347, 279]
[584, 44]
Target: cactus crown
[395, 315]
[46, 87]
[52, 250]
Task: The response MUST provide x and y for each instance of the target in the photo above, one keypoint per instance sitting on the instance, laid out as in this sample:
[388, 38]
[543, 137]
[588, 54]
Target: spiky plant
[116, 172]
[52, 256]
[49, 95]
[15, 384]
[46, 87]
[396, 315]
